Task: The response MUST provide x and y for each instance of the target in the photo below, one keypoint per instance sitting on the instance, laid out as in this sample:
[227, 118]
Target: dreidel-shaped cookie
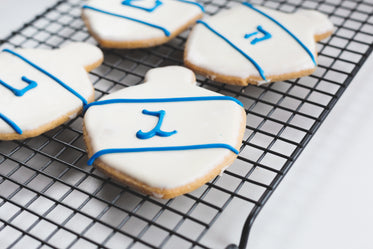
[41, 89]
[166, 136]
[138, 23]
[256, 45]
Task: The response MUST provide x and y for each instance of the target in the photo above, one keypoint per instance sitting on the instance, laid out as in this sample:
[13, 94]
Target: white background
[326, 199]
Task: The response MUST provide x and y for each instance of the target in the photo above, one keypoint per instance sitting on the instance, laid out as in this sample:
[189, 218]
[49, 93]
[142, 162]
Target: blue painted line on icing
[285, 29]
[156, 131]
[247, 36]
[11, 123]
[157, 3]
[256, 65]
[160, 100]
[48, 74]
[266, 35]
[165, 31]
[195, 3]
[20, 92]
[170, 148]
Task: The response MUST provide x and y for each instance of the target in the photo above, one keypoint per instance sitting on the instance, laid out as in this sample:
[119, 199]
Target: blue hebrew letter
[20, 92]
[156, 131]
[266, 35]
[157, 3]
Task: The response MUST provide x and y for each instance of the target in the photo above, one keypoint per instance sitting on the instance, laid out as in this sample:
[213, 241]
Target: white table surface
[326, 199]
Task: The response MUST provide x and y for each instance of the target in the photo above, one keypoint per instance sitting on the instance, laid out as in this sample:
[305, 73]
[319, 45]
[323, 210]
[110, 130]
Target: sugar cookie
[254, 44]
[41, 89]
[138, 23]
[165, 137]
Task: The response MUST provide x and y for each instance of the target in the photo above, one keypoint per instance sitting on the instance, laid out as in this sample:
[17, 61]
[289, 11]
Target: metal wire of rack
[50, 198]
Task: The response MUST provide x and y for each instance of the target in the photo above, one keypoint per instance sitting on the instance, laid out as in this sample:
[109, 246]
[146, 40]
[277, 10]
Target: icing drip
[156, 131]
[171, 148]
[165, 31]
[48, 74]
[284, 28]
[256, 65]
[20, 92]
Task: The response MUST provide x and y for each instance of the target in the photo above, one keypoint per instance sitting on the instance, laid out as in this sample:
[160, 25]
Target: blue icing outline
[128, 3]
[169, 148]
[11, 123]
[160, 100]
[49, 75]
[284, 28]
[266, 35]
[165, 31]
[256, 65]
[156, 131]
[20, 92]
[247, 36]
[157, 3]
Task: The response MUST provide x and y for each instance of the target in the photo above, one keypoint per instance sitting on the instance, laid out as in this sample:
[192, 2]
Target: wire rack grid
[50, 198]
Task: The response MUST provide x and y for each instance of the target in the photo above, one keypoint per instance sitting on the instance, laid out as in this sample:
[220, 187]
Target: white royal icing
[201, 122]
[277, 55]
[48, 101]
[171, 15]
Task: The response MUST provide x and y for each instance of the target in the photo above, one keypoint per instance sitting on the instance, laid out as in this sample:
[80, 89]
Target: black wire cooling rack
[50, 198]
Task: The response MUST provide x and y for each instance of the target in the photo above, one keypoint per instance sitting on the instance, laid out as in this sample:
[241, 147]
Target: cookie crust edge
[139, 43]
